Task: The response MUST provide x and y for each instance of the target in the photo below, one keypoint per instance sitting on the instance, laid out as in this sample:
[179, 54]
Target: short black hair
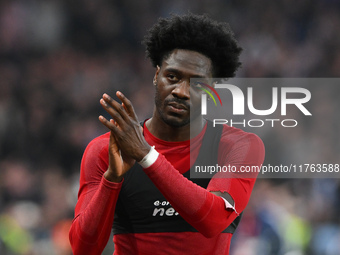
[198, 33]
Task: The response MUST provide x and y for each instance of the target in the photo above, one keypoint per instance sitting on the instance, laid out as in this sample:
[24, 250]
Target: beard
[174, 120]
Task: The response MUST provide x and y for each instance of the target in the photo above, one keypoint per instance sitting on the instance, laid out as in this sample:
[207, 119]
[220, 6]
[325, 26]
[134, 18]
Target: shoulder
[235, 140]
[235, 135]
[99, 141]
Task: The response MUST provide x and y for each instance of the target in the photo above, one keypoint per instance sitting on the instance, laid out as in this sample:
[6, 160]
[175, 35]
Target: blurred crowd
[58, 57]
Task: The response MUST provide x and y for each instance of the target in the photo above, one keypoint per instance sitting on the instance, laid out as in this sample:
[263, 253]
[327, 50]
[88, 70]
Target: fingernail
[103, 102]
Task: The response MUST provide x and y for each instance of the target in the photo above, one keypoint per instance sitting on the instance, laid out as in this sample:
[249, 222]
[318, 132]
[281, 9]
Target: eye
[172, 77]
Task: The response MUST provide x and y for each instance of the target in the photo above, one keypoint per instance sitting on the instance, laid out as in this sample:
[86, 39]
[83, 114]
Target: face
[175, 98]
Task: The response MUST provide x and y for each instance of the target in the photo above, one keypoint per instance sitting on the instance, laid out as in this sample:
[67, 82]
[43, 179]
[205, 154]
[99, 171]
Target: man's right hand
[119, 163]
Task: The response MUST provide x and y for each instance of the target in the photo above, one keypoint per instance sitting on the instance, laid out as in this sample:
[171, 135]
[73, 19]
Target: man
[135, 179]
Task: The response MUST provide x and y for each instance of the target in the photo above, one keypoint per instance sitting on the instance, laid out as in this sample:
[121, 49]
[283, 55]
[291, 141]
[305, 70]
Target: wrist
[149, 158]
[108, 175]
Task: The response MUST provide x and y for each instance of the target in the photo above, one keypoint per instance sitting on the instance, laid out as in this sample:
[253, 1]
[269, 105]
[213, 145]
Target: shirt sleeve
[97, 199]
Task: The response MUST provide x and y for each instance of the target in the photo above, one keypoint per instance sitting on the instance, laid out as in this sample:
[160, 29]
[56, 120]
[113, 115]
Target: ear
[156, 75]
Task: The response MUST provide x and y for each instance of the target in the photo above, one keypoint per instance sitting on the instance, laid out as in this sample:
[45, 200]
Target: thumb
[113, 143]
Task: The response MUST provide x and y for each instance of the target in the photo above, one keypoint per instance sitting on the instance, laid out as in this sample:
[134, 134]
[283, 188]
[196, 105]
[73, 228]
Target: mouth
[177, 108]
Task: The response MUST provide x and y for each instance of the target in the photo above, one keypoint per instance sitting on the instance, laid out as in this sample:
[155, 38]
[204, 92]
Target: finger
[117, 116]
[113, 122]
[113, 144]
[127, 105]
[117, 106]
[105, 122]
[109, 124]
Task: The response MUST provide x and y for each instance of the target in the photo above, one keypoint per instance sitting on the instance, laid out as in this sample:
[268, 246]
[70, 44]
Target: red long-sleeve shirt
[205, 211]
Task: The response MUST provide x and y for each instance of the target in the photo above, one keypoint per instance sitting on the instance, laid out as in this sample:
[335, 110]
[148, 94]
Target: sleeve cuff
[149, 158]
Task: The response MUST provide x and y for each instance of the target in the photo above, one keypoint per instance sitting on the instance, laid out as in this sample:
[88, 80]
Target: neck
[165, 132]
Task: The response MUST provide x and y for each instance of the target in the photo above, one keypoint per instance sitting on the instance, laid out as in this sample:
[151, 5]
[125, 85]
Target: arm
[102, 169]
[205, 209]
[97, 198]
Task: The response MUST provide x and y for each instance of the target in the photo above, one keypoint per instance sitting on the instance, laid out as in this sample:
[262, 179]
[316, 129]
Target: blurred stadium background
[58, 57]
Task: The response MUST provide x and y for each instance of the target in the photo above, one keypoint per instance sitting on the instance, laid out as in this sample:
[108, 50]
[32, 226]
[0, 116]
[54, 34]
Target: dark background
[58, 57]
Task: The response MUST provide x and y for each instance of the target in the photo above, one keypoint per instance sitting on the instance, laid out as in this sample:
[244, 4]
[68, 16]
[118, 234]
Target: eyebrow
[174, 70]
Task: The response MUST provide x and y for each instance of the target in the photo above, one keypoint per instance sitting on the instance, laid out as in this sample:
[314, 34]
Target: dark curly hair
[198, 33]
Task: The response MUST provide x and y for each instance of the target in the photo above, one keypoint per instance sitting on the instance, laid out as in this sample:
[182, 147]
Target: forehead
[191, 62]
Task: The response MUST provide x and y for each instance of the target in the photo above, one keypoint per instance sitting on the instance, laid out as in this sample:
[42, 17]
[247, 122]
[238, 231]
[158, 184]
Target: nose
[182, 90]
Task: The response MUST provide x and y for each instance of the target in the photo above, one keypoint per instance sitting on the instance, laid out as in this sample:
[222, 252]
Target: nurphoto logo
[243, 103]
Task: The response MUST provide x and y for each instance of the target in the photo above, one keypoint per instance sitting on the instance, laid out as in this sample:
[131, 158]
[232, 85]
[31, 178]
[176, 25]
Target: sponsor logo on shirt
[163, 208]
